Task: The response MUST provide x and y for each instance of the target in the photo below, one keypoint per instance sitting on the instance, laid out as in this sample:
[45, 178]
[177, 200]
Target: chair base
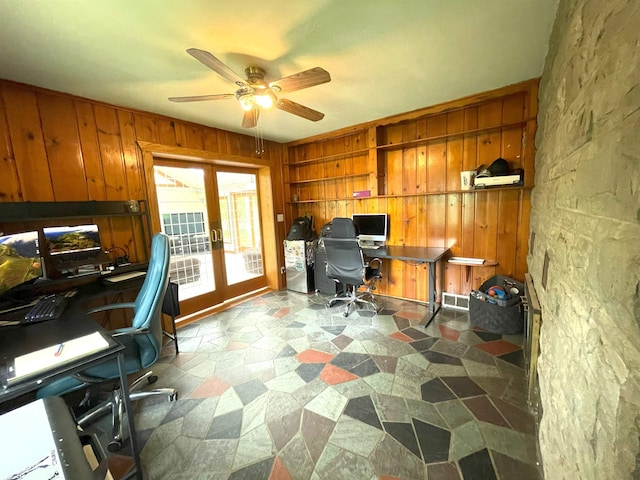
[353, 298]
[115, 404]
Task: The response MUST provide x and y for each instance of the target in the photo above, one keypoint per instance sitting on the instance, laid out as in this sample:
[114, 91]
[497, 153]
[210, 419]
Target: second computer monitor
[372, 227]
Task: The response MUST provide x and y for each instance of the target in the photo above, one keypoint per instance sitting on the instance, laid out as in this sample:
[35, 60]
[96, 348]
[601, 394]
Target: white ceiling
[384, 56]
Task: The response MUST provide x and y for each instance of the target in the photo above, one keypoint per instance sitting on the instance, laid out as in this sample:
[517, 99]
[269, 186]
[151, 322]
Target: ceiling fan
[255, 94]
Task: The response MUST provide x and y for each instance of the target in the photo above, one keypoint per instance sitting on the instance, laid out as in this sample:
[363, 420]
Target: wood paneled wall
[411, 163]
[56, 147]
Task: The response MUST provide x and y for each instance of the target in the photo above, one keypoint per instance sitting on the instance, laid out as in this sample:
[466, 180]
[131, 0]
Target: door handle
[214, 236]
[220, 238]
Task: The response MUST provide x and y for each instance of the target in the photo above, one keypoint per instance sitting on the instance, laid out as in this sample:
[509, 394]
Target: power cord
[120, 260]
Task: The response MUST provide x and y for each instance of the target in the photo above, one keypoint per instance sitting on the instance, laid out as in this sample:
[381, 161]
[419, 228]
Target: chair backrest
[343, 228]
[148, 304]
[344, 256]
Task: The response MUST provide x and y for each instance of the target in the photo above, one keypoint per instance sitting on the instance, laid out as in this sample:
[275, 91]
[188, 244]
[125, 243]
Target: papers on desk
[41, 360]
[28, 448]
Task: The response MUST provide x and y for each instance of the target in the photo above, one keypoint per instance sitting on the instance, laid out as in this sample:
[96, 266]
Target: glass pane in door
[238, 199]
[184, 218]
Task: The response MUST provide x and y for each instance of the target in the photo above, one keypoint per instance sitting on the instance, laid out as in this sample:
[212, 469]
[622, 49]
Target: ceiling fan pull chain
[259, 137]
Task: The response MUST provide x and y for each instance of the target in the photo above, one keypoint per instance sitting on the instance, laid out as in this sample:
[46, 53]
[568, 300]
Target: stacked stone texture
[586, 217]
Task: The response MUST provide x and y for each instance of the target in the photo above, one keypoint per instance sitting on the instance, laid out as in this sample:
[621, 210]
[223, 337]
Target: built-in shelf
[312, 180]
[421, 194]
[469, 263]
[327, 158]
[444, 136]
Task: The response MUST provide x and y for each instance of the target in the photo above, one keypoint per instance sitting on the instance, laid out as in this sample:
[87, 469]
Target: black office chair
[142, 341]
[346, 265]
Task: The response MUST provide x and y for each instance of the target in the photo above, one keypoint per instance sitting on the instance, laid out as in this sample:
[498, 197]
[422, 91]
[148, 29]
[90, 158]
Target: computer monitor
[372, 227]
[80, 241]
[20, 261]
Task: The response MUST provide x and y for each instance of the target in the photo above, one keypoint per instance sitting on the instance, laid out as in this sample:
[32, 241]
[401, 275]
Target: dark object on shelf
[302, 229]
[499, 167]
[506, 318]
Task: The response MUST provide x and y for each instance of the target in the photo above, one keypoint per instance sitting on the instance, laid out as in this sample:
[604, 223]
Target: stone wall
[585, 219]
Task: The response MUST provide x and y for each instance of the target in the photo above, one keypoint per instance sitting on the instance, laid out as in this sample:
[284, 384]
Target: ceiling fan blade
[217, 66]
[300, 110]
[250, 118]
[308, 78]
[200, 98]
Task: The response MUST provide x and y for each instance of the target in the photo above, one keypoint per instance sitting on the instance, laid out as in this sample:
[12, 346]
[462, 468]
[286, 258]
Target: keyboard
[123, 277]
[370, 247]
[47, 308]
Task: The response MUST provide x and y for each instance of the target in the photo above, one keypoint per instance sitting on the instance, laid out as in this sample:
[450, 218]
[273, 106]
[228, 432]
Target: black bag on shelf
[502, 316]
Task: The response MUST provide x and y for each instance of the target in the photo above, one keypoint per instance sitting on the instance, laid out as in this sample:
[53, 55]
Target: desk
[418, 255]
[23, 339]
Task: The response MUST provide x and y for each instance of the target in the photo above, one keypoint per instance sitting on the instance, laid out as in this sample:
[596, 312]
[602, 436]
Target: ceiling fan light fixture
[247, 101]
[266, 99]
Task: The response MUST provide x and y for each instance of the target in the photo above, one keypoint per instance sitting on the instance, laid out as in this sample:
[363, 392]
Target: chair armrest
[113, 306]
[121, 332]
[377, 263]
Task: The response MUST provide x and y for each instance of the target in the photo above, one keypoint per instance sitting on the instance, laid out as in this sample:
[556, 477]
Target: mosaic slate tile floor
[282, 388]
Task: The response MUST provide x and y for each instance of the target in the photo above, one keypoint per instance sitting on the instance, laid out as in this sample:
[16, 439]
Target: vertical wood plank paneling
[135, 176]
[470, 142]
[522, 245]
[115, 176]
[437, 155]
[409, 212]
[167, 132]
[88, 137]
[454, 149]
[10, 185]
[60, 130]
[195, 138]
[508, 206]
[146, 128]
[181, 134]
[396, 274]
[474, 224]
[134, 171]
[23, 119]
[453, 235]
[489, 144]
[210, 140]
[409, 155]
[111, 153]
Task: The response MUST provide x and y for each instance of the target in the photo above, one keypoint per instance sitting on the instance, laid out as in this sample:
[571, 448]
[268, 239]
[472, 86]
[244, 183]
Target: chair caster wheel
[152, 379]
[114, 446]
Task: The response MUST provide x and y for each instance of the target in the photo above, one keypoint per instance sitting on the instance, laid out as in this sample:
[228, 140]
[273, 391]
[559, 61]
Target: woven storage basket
[507, 319]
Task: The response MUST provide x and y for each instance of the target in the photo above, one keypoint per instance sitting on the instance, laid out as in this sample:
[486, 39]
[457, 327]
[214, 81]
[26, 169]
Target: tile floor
[281, 387]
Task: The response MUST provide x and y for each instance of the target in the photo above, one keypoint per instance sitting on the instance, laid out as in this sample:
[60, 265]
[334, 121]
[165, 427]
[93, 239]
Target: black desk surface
[407, 253]
[20, 340]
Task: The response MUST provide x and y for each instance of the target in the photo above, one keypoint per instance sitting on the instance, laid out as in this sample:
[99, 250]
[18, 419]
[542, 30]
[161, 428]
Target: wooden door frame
[265, 188]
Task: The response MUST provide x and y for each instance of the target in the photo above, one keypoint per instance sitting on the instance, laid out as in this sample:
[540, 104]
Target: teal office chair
[142, 341]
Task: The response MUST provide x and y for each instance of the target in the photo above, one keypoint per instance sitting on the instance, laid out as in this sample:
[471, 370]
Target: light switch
[280, 217]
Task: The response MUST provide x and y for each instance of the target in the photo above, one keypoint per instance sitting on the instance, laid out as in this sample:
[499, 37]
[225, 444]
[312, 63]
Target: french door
[211, 215]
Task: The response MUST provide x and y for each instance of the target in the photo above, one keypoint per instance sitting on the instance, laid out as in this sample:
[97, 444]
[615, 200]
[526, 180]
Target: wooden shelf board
[328, 158]
[312, 180]
[475, 131]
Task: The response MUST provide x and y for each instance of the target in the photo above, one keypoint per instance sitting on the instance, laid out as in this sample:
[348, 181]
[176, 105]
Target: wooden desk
[21, 340]
[417, 255]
